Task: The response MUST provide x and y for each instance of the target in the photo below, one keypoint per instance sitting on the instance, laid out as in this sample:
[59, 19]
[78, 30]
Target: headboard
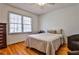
[60, 31]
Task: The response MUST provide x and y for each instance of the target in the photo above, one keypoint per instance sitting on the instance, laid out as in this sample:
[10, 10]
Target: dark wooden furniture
[3, 35]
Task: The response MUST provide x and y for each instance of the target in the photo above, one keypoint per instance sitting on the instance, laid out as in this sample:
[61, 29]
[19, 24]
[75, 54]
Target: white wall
[13, 38]
[66, 18]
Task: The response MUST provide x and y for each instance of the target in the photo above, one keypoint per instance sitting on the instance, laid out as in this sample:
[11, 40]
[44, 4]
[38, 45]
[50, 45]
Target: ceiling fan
[43, 4]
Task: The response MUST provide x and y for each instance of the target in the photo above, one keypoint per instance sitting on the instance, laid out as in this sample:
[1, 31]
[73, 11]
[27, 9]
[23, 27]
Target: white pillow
[52, 31]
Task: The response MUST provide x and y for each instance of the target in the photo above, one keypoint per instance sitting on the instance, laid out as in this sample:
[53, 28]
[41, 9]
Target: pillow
[52, 31]
[59, 31]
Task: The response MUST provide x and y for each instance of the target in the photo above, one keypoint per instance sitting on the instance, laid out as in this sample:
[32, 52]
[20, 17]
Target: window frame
[21, 24]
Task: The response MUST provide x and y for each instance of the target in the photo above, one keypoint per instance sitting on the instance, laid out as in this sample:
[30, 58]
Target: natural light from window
[19, 23]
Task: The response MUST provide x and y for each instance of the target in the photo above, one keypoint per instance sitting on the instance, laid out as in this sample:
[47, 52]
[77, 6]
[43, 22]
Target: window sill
[20, 33]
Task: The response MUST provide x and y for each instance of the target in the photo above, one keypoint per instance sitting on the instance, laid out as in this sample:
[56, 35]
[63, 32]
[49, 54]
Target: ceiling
[36, 9]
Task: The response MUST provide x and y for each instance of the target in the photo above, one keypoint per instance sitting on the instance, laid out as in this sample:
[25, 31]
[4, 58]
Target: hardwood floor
[63, 50]
[20, 49]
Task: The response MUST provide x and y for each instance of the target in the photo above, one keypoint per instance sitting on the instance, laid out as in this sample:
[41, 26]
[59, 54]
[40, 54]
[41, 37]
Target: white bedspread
[45, 42]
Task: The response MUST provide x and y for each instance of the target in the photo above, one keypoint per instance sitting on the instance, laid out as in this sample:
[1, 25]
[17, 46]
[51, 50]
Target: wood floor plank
[13, 49]
[9, 50]
[21, 49]
[24, 48]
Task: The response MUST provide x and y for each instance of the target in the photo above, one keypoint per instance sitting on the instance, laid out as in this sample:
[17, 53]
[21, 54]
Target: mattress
[45, 42]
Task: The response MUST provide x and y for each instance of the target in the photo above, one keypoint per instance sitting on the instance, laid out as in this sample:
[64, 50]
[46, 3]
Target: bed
[45, 42]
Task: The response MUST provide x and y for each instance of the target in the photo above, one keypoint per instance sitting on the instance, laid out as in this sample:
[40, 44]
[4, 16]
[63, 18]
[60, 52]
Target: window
[19, 23]
[26, 24]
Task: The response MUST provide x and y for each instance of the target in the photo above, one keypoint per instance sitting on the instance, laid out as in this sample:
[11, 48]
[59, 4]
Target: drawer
[1, 44]
[1, 38]
[1, 32]
[1, 41]
[1, 35]
[1, 25]
[1, 28]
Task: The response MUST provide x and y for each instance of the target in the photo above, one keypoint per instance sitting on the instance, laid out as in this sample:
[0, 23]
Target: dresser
[3, 35]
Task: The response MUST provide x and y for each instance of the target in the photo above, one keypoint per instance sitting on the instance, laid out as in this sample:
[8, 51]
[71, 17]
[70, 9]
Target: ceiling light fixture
[41, 4]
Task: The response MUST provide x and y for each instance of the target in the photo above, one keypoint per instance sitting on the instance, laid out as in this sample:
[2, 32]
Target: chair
[73, 53]
[73, 42]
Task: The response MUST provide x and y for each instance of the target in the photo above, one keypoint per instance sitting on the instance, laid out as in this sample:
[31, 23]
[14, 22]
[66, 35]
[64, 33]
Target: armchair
[73, 42]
